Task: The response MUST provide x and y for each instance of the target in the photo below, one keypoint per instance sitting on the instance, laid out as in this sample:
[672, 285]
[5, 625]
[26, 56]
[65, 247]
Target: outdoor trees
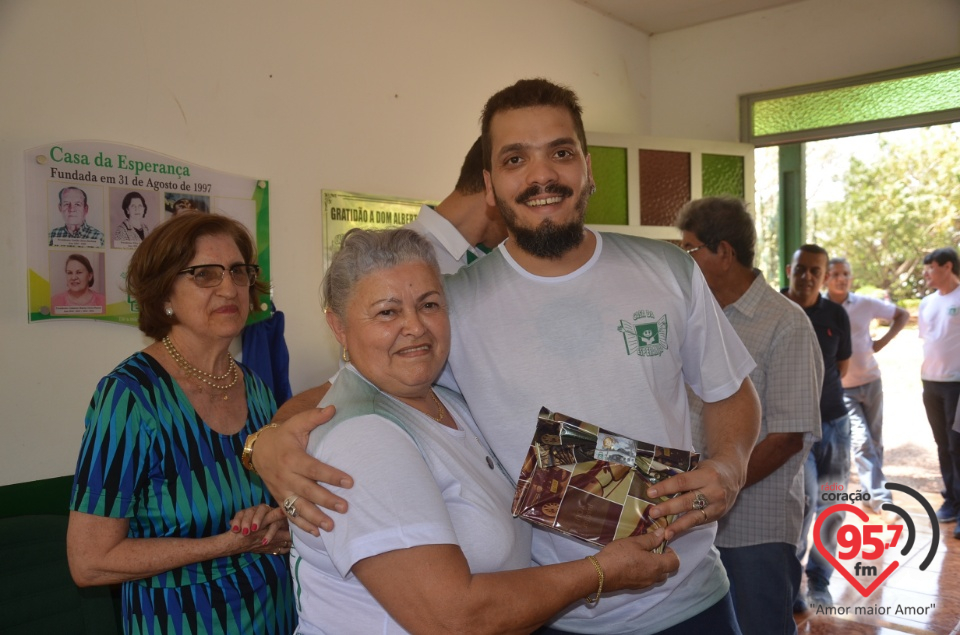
[895, 209]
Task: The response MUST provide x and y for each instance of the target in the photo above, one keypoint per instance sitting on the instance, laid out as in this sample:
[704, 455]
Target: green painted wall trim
[49, 496]
[608, 205]
[793, 204]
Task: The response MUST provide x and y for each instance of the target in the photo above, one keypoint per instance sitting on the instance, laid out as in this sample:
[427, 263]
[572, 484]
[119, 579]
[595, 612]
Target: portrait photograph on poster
[79, 290]
[69, 215]
[133, 213]
[90, 204]
[175, 202]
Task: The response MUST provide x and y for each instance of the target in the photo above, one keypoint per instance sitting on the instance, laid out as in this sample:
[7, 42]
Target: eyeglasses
[693, 249]
[206, 276]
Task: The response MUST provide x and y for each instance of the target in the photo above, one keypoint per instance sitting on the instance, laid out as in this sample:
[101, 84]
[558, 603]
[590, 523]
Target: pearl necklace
[441, 411]
[192, 371]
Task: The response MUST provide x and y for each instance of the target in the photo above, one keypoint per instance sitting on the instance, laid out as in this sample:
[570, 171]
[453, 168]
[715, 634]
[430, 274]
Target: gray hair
[721, 218]
[364, 251]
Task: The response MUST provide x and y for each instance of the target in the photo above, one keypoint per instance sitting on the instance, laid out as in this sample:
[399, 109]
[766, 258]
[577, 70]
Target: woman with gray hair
[428, 544]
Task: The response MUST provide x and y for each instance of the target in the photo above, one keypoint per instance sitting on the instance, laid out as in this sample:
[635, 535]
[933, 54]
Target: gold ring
[705, 519]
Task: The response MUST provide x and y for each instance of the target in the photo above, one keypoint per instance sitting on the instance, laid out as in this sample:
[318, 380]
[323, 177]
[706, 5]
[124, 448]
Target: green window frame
[913, 96]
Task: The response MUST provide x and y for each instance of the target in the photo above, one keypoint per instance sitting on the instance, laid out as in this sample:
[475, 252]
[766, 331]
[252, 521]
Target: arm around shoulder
[281, 460]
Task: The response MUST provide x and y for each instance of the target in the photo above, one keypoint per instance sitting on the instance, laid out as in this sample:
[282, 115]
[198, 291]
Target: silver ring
[699, 500]
[288, 506]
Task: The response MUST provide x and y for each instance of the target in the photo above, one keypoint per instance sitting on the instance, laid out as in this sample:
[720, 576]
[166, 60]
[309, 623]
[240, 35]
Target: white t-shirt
[939, 322]
[612, 343]
[863, 310]
[434, 487]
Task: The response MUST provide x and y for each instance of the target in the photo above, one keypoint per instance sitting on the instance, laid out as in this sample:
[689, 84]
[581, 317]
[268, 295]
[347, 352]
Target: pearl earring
[169, 311]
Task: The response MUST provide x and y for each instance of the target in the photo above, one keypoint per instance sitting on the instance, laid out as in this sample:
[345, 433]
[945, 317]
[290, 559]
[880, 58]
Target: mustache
[536, 190]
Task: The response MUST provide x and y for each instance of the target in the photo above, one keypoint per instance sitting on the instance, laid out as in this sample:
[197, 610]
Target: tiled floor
[910, 600]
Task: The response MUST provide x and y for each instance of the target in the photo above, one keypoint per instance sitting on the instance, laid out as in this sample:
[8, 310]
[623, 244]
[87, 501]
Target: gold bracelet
[246, 459]
[596, 563]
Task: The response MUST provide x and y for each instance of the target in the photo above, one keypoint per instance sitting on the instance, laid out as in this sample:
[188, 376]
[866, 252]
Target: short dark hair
[942, 256]
[721, 218]
[71, 187]
[129, 198]
[156, 263]
[811, 248]
[83, 260]
[471, 172]
[529, 93]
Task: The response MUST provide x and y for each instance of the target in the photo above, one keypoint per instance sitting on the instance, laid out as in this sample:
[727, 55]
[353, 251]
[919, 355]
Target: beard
[548, 240]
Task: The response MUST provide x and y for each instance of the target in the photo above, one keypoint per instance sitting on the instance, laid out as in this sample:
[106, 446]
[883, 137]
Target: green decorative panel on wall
[874, 101]
[608, 206]
[722, 175]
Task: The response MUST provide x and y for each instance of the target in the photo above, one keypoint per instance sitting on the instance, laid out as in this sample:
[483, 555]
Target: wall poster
[89, 204]
[342, 211]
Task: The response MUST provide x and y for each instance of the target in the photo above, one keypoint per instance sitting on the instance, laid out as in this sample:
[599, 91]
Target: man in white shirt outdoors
[761, 532]
[553, 318]
[939, 322]
[862, 386]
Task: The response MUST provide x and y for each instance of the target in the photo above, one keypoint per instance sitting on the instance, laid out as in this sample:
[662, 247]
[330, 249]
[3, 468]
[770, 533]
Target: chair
[37, 594]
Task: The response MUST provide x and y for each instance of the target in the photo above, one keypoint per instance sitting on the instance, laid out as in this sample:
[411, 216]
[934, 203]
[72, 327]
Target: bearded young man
[553, 318]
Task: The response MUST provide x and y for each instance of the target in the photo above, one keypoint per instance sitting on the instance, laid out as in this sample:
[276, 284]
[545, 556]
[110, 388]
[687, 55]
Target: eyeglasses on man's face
[205, 276]
[693, 249]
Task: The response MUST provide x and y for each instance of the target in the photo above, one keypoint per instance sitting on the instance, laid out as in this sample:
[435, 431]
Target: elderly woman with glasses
[161, 503]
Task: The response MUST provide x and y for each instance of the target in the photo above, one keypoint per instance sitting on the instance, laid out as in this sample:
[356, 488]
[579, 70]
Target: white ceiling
[659, 16]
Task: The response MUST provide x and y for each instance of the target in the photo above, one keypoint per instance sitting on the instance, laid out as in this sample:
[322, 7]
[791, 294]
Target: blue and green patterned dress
[146, 456]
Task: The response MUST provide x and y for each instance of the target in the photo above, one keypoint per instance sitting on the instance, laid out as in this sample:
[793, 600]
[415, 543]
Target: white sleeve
[882, 310]
[715, 361]
[394, 503]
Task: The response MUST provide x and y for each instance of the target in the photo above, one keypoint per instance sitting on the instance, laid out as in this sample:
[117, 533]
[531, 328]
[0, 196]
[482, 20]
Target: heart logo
[862, 515]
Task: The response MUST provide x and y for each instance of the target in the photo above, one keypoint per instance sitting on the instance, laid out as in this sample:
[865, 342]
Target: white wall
[370, 96]
[367, 96]
[697, 74]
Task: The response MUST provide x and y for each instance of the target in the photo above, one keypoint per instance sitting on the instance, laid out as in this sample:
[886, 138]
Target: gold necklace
[441, 411]
[192, 371]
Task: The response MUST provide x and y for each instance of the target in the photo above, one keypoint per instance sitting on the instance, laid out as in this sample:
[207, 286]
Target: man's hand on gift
[708, 492]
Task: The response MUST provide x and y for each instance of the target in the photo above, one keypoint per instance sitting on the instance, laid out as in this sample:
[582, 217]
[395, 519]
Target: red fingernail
[264, 542]
[246, 531]
[236, 528]
[253, 528]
